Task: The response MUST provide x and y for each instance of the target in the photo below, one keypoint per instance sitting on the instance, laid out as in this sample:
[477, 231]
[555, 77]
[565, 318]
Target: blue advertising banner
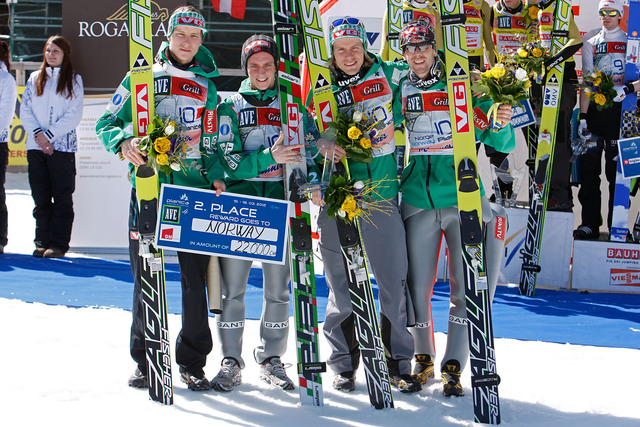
[522, 115]
[231, 225]
[629, 152]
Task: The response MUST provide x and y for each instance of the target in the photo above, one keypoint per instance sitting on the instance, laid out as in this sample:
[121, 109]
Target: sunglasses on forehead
[422, 47]
[352, 21]
[611, 13]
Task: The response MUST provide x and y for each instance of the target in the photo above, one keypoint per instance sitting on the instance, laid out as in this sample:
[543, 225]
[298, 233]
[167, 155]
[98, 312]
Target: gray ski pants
[425, 228]
[274, 322]
[385, 246]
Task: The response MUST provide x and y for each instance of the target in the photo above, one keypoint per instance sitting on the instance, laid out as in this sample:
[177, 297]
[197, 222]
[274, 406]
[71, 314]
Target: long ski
[364, 309]
[484, 377]
[547, 131]
[628, 127]
[302, 267]
[394, 26]
[151, 259]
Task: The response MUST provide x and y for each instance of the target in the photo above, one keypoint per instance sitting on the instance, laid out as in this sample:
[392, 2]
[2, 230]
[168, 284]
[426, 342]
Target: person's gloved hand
[582, 128]
[622, 92]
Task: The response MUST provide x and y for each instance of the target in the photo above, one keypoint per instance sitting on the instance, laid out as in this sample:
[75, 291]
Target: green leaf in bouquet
[479, 87]
[331, 133]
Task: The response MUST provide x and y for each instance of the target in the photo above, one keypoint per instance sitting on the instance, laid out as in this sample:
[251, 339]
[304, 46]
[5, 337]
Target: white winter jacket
[51, 113]
[8, 96]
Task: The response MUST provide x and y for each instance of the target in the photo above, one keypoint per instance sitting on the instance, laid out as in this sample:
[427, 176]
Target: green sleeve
[504, 140]
[396, 72]
[238, 164]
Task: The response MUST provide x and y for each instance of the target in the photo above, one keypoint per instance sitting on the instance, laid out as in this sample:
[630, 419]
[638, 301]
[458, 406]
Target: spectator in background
[51, 110]
[8, 96]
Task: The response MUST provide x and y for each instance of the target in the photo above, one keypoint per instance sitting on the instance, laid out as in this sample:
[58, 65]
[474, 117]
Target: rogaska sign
[99, 36]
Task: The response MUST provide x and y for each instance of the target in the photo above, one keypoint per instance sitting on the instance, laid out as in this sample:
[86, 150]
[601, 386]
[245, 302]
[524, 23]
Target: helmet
[417, 31]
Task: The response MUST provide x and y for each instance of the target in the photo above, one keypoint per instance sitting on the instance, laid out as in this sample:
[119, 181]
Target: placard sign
[231, 225]
[629, 151]
[523, 115]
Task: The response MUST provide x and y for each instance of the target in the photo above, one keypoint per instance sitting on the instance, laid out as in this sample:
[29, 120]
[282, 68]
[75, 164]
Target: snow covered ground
[70, 365]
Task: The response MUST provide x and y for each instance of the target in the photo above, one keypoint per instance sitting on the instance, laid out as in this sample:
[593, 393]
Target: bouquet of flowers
[350, 199]
[598, 87]
[355, 134]
[505, 83]
[531, 12]
[165, 145]
[531, 57]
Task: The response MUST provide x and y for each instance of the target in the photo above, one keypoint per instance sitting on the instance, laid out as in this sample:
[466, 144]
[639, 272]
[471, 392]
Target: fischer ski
[302, 267]
[364, 309]
[547, 130]
[628, 127]
[484, 377]
[151, 259]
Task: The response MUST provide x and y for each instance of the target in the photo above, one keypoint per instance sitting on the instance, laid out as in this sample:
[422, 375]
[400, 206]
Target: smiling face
[348, 54]
[420, 61]
[261, 69]
[53, 55]
[184, 43]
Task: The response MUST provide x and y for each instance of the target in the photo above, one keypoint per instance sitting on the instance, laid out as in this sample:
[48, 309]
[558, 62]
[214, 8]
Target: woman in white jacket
[51, 110]
[8, 95]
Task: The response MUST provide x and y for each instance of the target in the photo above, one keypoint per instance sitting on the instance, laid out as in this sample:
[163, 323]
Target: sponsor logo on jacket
[210, 121]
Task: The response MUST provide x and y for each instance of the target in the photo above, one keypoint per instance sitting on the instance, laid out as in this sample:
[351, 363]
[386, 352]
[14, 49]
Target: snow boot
[405, 383]
[195, 381]
[229, 376]
[423, 368]
[345, 381]
[451, 378]
[272, 371]
[138, 380]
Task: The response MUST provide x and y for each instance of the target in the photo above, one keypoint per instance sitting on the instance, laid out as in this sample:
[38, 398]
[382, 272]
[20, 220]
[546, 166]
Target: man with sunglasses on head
[429, 201]
[363, 82]
[605, 52]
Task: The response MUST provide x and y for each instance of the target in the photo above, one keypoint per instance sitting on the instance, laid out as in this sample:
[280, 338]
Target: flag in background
[235, 8]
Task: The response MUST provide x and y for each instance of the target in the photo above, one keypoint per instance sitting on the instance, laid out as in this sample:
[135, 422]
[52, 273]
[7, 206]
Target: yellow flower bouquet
[531, 57]
[351, 199]
[505, 83]
[165, 145]
[531, 19]
[355, 134]
[598, 87]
